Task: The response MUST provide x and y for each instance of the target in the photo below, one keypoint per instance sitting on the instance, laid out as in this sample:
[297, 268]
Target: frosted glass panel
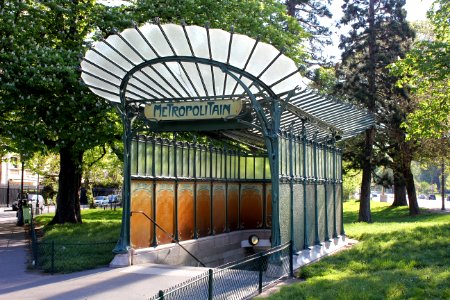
[171, 160]
[259, 168]
[285, 213]
[165, 160]
[134, 157]
[242, 167]
[158, 167]
[330, 210]
[268, 174]
[141, 158]
[310, 212]
[298, 216]
[214, 164]
[250, 167]
[339, 209]
[321, 211]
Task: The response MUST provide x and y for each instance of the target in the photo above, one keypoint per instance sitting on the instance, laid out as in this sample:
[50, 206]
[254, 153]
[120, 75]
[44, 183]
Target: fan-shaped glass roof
[170, 63]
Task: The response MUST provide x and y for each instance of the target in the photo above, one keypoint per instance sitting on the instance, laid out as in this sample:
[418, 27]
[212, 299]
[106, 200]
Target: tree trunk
[364, 204]
[67, 200]
[290, 4]
[443, 183]
[410, 187]
[364, 200]
[399, 189]
[406, 157]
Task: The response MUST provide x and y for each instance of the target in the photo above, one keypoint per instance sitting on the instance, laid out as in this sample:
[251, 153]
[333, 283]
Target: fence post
[52, 270]
[161, 295]
[210, 284]
[291, 258]
[260, 262]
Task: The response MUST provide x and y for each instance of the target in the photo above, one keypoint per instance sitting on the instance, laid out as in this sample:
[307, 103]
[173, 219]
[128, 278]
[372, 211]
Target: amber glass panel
[140, 227]
[186, 211]
[219, 209]
[233, 206]
[165, 197]
[203, 209]
[251, 206]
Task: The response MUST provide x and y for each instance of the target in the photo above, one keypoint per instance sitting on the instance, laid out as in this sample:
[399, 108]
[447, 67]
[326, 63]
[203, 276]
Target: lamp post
[19, 201]
[7, 193]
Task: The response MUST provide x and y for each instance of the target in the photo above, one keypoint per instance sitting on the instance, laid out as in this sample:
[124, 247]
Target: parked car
[101, 200]
[432, 197]
[422, 196]
[32, 199]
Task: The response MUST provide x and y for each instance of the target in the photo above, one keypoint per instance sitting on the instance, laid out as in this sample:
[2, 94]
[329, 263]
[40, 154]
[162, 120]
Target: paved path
[134, 282]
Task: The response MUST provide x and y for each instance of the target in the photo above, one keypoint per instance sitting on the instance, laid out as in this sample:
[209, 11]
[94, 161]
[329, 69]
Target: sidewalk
[134, 282]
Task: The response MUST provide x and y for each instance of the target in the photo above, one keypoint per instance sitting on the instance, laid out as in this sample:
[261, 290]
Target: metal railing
[56, 257]
[171, 236]
[237, 280]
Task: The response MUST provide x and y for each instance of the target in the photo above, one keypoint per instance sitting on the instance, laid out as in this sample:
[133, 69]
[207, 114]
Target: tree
[309, 14]
[425, 71]
[43, 105]
[266, 19]
[378, 34]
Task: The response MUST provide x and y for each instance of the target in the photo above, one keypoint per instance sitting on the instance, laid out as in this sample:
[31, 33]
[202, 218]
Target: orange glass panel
[186, 211]
[203, 209]
[233, 206]
[251, 206]
[219, 208]
[141, 229]
[165, 200]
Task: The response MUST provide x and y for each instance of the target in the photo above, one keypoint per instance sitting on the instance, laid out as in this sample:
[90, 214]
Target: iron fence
[237, 280]
[59, 257]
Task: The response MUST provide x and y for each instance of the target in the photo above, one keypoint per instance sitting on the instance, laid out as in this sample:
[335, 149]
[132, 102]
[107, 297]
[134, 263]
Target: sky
[416, 10]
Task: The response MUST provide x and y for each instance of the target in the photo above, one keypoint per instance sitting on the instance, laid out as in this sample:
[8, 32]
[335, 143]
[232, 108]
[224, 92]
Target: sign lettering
[165, 111]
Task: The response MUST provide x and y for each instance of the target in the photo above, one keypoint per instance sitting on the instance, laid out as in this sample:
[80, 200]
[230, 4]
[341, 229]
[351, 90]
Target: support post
[316, 208]
[305, 211]
[325, 172]
[123, 243]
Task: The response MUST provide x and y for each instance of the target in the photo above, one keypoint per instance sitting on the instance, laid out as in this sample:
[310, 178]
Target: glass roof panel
[170, 62]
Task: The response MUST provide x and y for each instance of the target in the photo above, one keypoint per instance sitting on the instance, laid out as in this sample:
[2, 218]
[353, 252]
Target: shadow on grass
[398, 257]
[390, 214]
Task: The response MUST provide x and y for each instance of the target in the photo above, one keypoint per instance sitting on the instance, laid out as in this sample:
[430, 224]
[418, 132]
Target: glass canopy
[164, 63]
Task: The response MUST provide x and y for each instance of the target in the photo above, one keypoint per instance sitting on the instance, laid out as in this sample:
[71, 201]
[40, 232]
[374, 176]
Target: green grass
[397, 257]
[76, 247]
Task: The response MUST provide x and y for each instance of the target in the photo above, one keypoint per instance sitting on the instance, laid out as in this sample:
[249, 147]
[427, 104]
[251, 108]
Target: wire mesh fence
[59, 257]
[237, 280]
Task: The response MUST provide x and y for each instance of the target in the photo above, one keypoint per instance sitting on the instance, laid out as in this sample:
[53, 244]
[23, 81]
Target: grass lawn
[75, 247]
[397, 257]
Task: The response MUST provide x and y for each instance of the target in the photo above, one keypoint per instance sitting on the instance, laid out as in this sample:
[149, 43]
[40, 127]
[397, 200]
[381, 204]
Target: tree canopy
[43, 105]
[425, 71]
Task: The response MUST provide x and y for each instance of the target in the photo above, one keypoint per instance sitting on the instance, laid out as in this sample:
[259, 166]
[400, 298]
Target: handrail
[168, 234]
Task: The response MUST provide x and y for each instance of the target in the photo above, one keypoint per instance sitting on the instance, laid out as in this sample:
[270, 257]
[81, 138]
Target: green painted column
[305, 211]
[325, 172]
[123, 244]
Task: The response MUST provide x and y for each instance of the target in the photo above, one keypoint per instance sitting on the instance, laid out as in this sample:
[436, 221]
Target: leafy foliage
[425, 70]
[266, 19]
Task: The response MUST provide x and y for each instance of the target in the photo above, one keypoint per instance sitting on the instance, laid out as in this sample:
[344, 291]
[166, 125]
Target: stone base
[316, 252]
[122, 260]
[212, 250]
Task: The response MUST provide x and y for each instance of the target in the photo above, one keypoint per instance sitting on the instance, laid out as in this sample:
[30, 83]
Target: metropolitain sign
[194, 110]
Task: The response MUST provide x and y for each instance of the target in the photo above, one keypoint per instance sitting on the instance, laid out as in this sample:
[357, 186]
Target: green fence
[237, 280]
[57, 257]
